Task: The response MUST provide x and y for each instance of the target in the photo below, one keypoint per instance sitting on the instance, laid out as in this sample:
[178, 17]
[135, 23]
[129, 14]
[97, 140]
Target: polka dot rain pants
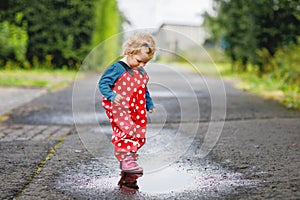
[128, 118]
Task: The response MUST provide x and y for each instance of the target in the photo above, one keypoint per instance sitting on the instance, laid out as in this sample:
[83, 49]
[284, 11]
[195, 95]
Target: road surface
[207, 140]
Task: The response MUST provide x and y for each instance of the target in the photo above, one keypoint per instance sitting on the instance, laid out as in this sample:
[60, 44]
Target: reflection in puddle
[95, 181]
[128, 181]
[164, 181]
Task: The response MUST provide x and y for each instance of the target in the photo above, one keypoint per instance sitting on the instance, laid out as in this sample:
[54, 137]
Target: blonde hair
[140, 43]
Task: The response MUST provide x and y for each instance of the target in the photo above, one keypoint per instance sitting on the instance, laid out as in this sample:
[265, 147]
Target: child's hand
[152, 110]
[118, 99]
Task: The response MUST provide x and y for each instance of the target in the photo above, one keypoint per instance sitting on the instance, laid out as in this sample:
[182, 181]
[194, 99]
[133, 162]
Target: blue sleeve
[108, 79]
[149, 103]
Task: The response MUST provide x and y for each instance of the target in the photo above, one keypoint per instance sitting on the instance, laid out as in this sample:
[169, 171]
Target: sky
[152, 13]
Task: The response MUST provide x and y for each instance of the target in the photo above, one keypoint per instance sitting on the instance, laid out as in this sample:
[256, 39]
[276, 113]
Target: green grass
[266, 86]
[37, 78]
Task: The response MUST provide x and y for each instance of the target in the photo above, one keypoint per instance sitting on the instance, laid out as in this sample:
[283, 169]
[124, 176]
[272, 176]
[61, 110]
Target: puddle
[164, 181]
[164, 144]
[93, 180]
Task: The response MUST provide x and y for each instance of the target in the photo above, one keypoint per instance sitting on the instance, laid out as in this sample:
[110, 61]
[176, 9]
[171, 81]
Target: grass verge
[266, 86]
[38, 78]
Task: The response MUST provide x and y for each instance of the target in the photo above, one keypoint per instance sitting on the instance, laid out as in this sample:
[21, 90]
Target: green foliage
[61, 32]
[260, 38]
[287, 64]
[13, 41]
[284, 69]
[271, 87]
[107, 22]
[249, 29]
[268, 85]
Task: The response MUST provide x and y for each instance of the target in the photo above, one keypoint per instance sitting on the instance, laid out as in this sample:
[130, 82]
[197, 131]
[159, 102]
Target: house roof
[179, 24]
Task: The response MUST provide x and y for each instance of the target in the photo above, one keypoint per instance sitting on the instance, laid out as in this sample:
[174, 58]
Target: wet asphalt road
[206, 141]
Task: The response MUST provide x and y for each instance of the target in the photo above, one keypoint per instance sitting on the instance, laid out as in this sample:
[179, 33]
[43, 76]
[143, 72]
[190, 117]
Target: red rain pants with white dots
[128, 118]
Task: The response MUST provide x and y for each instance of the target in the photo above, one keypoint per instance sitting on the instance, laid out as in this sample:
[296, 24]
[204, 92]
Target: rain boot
[129, 165]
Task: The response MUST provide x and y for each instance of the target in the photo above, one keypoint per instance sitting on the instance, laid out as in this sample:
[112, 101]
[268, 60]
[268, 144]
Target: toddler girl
[126, 99]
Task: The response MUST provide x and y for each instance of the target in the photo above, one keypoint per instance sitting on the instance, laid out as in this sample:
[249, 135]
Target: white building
[180, 37]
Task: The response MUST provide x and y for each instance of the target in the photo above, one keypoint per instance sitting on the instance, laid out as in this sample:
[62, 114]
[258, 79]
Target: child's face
[138, 60]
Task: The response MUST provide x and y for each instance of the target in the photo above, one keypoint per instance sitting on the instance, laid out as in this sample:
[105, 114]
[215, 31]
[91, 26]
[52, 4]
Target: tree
[107, 23]
[61, 30]
[13, 41]
[249, 27]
